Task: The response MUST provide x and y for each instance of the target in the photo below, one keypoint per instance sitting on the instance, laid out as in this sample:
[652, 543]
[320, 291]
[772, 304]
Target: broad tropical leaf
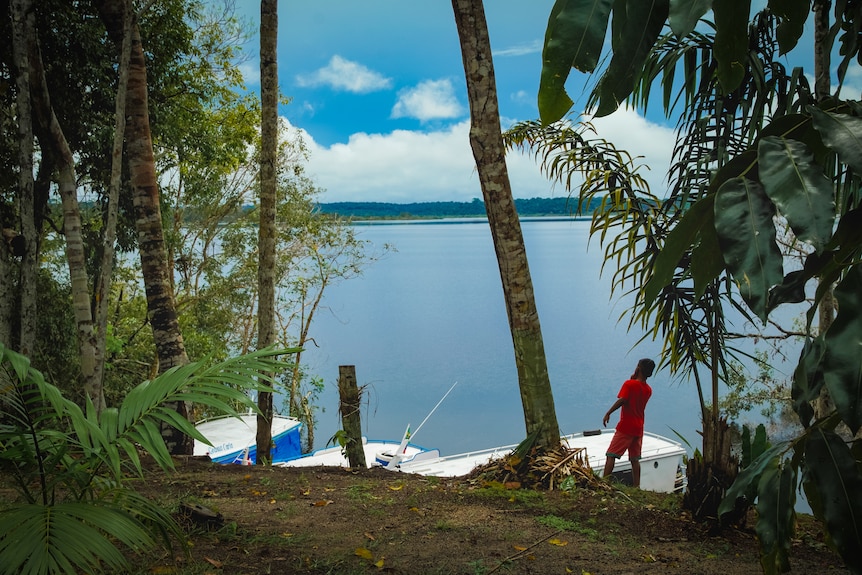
[706, 259]
[743, 220]
[842, 364]
[635, 28]
[799, 188]
[791, 290]
[685, 14]
[808, 379]
[832, 469]
[678, 241]
[842, 134]
[793, 14]
[731, 41]
[749, 477]
[776, 496]
[574, 38]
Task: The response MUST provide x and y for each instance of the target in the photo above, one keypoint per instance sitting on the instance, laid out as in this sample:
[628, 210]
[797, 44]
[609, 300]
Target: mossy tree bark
[486, 141]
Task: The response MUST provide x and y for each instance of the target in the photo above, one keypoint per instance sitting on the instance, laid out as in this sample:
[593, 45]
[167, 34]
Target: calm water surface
[432, 314]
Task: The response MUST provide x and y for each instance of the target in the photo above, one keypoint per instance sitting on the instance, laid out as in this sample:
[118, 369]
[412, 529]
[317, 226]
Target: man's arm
[617, 404]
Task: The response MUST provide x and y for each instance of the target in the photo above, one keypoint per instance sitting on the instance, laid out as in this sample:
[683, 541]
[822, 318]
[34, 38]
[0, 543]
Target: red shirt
[636, 394]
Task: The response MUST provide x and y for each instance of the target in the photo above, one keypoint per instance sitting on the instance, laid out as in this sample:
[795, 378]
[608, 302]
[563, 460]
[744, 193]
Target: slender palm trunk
[823, 405]
[488, 150]
[23, 29]
[267, 228]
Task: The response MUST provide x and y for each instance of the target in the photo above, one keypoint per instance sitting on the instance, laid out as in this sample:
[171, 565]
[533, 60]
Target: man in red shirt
[633, 397]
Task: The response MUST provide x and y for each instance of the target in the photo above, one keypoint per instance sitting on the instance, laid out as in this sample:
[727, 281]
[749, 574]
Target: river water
[431, 315]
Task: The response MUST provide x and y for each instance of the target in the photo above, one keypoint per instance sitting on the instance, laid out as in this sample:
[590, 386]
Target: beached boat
[378, 453]
[234, 438]
[660, 463]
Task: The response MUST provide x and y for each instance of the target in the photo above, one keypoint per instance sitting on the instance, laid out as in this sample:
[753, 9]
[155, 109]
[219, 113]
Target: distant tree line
[474, 209]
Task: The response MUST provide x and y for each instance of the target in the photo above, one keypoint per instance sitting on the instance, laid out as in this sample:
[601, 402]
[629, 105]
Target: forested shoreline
[530, 207]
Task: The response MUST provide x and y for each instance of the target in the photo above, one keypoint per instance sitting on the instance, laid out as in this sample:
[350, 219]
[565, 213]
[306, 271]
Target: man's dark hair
[647, 366]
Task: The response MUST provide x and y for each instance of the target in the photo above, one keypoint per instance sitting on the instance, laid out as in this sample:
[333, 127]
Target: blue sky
[378, 90]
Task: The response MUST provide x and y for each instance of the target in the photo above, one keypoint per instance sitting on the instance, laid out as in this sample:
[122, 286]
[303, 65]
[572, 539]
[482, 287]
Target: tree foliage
[757, 155]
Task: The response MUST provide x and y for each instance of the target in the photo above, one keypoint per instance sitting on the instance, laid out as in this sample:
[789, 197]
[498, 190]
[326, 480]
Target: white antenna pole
[433, 410]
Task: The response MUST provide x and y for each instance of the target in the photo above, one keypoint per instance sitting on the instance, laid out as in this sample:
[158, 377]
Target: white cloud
[523, 97]
[416, 166]
[342, 74]
[852, 88]
[411, 166]
[650, 144]
[250, 72]
[430, 100]
[533, 47]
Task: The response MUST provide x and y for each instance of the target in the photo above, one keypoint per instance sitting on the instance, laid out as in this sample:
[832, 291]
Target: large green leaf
[842, 362]
[684, 15]
[679, 240]
[635, 28]
[835, 475]
[706, 260]
[792, 15]
[791, 290]
[743, 221]
[574, 38]
[776, 496]
[731, 41]
[842, 134]
[799, 188]
[750, 477]
[743, 165]
[808, 379]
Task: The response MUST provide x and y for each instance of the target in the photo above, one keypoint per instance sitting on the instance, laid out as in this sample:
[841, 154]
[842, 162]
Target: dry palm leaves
[536, 468]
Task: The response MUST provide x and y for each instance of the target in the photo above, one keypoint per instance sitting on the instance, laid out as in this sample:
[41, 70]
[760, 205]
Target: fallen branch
[522, 552]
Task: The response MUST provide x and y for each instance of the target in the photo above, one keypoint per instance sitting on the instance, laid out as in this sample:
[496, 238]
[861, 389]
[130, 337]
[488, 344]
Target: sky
[377, 88]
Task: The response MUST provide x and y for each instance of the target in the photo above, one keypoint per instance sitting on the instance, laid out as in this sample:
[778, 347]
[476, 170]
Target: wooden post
[349, 395]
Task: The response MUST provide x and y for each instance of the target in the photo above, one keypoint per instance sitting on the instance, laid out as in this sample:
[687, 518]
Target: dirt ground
[329, 520]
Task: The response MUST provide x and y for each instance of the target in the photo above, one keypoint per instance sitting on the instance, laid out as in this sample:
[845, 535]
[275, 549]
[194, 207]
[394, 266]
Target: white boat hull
[234, 439]
[377, 453]
[660, 459]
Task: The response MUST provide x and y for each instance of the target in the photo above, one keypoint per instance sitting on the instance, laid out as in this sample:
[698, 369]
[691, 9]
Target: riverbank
[327, 520]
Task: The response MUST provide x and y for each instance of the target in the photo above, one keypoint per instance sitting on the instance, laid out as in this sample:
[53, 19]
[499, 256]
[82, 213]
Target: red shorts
[622, 443]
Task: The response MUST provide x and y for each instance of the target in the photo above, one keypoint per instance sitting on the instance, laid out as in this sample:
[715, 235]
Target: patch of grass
[362, 492]
[555, 522]
[527, 497]
[443, 525]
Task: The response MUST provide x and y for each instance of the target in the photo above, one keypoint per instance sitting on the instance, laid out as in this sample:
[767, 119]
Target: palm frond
[67, 463]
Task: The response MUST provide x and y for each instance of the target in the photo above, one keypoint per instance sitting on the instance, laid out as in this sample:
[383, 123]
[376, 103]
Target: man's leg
[609, 466]
[636, 472]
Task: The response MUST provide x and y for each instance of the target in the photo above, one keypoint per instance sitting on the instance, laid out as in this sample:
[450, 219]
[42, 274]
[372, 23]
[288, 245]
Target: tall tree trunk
[23, 29]
[7, 292]
[52, 138]
[105, 273]
[488, 150]
[161, 309]
[266, 228]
